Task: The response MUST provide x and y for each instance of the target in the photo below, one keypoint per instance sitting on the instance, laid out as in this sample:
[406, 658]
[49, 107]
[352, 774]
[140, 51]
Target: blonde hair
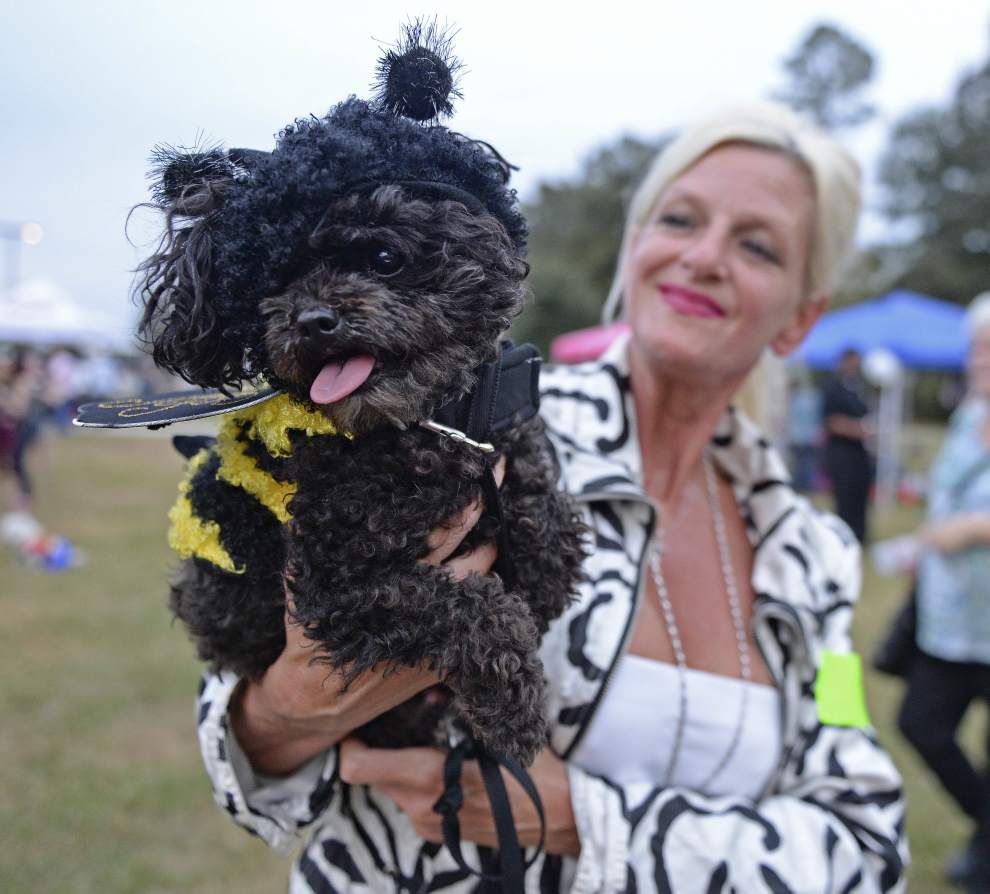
[833, 171]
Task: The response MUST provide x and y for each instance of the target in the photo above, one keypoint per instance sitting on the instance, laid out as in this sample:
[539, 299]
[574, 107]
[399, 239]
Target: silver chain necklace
[742, 641]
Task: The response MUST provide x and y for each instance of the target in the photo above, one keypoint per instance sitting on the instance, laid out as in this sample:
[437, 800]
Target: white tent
[41, 312]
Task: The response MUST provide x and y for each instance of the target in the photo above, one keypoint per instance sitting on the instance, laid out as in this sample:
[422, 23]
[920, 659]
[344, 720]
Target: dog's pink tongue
[338, 379]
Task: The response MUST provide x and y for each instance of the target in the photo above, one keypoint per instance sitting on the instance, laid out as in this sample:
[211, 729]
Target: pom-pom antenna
[174, 169]
[417, 78]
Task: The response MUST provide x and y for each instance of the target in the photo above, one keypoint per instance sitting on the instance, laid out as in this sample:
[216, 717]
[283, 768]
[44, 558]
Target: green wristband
[839, 691]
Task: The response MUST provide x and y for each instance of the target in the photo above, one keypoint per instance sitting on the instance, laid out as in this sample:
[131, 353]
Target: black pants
[25, 434]
[938, 694]
[851, 470]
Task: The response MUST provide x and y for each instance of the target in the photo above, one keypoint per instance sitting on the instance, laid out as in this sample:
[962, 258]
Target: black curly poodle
[367, 267]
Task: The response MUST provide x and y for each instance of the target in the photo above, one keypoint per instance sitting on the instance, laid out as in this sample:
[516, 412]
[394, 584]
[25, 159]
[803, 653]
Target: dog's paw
[505, 712]
[522, 736]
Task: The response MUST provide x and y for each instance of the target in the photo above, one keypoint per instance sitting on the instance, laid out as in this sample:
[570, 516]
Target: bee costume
[243, 474]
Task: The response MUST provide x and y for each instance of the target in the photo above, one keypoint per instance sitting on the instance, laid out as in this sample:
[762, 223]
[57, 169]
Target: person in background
[21, 401]
[62, 387]
[8, 424]
[848, 427]
[804, 428]
[952, 667]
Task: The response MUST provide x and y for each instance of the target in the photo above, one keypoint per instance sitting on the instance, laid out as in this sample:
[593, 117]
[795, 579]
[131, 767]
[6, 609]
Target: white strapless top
[631, 737]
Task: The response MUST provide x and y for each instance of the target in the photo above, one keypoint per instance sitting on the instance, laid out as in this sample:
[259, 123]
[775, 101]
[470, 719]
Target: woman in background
[952, 669]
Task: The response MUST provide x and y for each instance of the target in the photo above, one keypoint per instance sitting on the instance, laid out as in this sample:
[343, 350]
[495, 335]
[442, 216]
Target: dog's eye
[384, 261]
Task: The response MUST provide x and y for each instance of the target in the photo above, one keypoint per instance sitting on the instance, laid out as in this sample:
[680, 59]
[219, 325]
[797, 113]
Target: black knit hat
[270, 203]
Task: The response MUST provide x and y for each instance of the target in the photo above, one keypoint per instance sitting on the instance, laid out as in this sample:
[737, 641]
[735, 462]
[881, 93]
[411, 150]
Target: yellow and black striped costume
[234, 496]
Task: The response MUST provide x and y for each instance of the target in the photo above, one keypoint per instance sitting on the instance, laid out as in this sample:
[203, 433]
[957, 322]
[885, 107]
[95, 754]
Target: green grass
[102, 785]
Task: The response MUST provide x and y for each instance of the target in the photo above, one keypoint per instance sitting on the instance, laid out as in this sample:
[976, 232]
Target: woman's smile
[688, 302]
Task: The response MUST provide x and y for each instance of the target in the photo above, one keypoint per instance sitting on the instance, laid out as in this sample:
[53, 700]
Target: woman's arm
[413, 778]
[958, 532]
[298, 710]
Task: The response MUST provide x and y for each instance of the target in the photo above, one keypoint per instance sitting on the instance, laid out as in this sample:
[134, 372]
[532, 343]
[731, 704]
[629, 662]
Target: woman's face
[721, 271]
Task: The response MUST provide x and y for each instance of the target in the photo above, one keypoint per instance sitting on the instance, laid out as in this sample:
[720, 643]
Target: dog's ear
[181, 178]
[179, 319]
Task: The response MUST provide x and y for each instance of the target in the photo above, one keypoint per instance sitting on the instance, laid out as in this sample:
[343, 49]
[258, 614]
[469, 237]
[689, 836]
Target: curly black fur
[428, 324]
[178, 319]
[364, 507]
[362, 595]
[177, 170]
[230, 242]
[336, 224]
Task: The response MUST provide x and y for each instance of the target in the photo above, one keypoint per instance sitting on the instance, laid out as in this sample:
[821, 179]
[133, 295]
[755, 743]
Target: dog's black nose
[316, 324]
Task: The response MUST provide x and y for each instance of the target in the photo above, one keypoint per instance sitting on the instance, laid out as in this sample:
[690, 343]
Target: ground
[99, 766]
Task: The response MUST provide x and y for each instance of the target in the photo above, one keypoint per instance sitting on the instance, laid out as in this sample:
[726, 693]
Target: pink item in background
[585, 344]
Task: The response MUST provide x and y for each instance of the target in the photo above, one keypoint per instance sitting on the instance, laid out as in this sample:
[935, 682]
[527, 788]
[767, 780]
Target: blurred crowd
[39, 393]
[939, 640]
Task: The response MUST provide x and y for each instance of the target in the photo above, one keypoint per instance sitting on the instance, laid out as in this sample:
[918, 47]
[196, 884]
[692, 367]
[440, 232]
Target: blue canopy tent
[922, 332]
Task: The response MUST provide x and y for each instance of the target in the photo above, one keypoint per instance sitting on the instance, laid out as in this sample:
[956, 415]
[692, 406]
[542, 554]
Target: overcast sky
[89, 87]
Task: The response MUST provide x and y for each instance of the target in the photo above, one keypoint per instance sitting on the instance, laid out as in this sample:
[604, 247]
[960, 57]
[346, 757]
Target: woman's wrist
[555, 792]
[958, 532]
[275, 742]
[564, 841]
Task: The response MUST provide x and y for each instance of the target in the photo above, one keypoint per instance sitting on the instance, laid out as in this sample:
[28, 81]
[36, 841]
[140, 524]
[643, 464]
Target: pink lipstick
[688, 302]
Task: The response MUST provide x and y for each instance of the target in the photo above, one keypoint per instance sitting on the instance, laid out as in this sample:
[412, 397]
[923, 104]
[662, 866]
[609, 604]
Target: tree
[827, 74]
[936, 191]
[575, 233]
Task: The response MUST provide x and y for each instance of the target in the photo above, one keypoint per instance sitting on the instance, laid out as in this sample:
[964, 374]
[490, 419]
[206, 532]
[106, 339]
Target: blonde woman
[708, 730]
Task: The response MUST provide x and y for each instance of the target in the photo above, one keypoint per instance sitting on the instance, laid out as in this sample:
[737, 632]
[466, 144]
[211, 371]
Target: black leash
[511, 866]
[506, 393]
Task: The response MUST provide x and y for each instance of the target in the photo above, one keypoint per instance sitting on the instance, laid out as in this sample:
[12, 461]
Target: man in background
[847, 461]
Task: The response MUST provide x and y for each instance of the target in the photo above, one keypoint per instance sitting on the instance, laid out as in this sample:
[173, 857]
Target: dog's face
[397, 299]
[405, 298]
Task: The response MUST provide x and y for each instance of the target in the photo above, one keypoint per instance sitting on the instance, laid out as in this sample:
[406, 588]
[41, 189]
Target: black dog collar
[507, 392]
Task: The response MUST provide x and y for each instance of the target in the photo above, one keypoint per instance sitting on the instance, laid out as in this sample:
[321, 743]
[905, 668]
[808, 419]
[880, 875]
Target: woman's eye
[764, 252]
[385, 262]
[671, 219]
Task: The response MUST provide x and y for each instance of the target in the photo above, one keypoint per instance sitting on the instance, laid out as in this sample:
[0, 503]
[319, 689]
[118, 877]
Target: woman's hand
[299, 708]
[958, 532]
[413, 778]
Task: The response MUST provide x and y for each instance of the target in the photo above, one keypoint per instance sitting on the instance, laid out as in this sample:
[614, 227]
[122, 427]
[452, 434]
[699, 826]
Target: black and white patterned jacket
[832, 816]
